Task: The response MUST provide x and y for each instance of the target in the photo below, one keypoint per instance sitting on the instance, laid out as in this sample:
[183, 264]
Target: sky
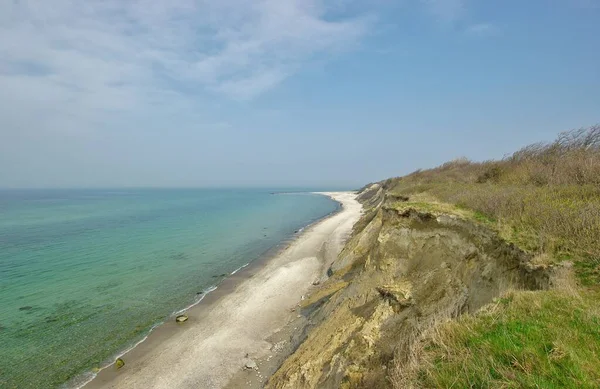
[286, 93]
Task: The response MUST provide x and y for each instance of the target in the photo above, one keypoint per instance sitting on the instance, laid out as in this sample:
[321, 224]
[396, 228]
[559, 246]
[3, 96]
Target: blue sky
[284, 92]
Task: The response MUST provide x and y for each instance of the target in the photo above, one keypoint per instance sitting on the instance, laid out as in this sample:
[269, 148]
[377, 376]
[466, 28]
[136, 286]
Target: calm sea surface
[84, 274]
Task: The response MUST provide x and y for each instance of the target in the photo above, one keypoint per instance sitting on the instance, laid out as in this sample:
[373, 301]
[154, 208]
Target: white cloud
[73, 65]
[71, 62]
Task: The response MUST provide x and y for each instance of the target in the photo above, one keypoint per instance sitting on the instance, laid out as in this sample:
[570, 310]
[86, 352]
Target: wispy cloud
[455, 13]
[446, 11]
[73, 65]
[67, 60]
[482, 30]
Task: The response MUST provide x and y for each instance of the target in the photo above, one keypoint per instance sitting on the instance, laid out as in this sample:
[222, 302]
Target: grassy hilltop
[545, 198]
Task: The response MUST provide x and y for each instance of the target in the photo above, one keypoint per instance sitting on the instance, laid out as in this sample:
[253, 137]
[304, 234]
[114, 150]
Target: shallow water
[86, 273]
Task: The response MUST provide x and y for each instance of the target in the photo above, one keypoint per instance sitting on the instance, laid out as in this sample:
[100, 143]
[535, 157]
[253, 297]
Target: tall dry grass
[546, 194]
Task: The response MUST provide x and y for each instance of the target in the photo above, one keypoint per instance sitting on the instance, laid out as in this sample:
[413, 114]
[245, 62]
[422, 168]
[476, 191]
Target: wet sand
[250, 318]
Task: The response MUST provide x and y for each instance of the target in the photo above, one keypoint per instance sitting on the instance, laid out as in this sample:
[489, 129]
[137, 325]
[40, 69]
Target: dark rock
[400, 295]
[181, 318]
[26, 308]
[316, 282]
[119, 363]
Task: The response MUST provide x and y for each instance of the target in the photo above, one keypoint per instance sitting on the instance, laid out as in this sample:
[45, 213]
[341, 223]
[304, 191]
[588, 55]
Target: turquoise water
[86, 273]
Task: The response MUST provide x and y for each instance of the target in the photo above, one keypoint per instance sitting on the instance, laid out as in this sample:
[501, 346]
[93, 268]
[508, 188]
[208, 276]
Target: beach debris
[26, 308]
[250, 365]
[316, 282]
[181, 318]
[293, 309]
[303, 297]
[119, 363]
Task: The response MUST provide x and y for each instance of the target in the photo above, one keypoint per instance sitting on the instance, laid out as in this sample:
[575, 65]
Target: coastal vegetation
[471, 274]
[545, 198]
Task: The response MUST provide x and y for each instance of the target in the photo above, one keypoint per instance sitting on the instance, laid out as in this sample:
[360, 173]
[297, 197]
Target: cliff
[431, 293]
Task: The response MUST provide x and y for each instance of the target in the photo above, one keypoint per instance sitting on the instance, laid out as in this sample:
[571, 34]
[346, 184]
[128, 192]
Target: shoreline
[214, 309]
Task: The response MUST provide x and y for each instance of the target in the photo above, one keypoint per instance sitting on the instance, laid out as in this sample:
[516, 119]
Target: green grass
[588, 272]
[545, 199]
[526, 340]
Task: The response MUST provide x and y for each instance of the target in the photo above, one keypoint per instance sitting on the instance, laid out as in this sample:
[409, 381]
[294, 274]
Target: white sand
[210, 349]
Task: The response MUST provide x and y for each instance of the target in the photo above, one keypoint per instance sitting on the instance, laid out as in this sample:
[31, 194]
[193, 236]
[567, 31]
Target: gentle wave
[238, 269]
[89, 376]
[199, 298]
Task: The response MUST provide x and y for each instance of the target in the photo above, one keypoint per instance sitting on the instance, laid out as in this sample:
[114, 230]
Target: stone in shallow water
[181, 318]
[119, 363]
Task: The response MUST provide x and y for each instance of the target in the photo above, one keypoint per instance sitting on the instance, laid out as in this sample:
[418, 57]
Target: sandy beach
[240, 324]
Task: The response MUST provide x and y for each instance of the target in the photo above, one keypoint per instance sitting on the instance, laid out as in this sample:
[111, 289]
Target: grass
[545, 197]
[545, 339]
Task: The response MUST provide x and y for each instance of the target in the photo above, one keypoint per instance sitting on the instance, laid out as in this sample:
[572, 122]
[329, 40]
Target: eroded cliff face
[401, 271]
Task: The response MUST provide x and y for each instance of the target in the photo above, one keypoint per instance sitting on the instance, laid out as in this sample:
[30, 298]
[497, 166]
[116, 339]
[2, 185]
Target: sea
[87, 274]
